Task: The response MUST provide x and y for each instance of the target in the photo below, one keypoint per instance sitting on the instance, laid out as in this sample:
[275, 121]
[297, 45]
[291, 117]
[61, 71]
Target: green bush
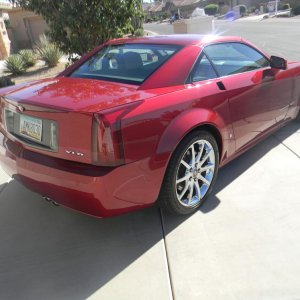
[48, 52]
[5, 81]
[251, 9]
[283, 6]
[139, 32]
[28, 57]
[155, 18]
[243, 9]
[15, 64]
[78, 26]
[166, 15]
[7, 23]
[296, 10]
[211, 9]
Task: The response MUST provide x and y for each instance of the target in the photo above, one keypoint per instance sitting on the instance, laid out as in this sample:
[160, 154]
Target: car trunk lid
[77, 94]
[55, 116]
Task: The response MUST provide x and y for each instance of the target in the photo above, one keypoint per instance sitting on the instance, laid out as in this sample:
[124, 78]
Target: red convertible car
[142, 119]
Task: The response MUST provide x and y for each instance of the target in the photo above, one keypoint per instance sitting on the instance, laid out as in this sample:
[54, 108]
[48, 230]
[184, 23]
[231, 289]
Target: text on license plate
[31, 127]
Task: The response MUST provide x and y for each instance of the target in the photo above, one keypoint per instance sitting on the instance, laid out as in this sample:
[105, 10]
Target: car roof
[176, 39]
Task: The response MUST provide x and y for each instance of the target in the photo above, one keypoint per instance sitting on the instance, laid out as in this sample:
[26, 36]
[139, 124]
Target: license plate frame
[31, 128]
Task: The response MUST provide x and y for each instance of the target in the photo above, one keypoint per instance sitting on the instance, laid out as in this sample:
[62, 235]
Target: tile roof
[156, 7]
[179, 3]
[159, 6]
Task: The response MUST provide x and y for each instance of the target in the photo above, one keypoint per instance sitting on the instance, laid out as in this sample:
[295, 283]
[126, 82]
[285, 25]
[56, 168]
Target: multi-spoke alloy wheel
[191, 173]
[195, 173]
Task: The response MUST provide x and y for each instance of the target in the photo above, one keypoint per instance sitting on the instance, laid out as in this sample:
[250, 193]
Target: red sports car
[142, 119]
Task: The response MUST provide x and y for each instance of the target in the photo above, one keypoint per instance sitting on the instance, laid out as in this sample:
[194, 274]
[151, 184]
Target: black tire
[168, 198]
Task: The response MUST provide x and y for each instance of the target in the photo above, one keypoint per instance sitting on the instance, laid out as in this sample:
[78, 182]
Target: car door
[209, 94]
[255, 100]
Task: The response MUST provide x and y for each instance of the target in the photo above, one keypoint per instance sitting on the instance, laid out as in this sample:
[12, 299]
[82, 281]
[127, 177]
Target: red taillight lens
[1, 111]
[107, 136]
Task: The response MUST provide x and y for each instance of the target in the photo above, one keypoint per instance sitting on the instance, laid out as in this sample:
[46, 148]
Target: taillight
[1, 112]
[107, 145]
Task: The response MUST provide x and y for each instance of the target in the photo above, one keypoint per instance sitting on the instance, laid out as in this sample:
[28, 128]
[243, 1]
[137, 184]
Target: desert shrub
[15, 64]
[28, 57]
[48, 52]
[50, 55]
[5, 81]
[43, 41]
[139, 32]
[211, 9]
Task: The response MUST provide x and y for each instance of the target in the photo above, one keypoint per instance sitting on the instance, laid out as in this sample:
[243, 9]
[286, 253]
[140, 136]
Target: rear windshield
[127, 63]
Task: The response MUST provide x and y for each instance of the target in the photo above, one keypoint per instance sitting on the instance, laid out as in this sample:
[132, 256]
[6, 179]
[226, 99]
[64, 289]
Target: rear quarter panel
[153, 130]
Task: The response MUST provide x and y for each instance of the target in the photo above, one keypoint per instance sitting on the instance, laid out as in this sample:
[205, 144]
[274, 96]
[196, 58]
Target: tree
[77, 26]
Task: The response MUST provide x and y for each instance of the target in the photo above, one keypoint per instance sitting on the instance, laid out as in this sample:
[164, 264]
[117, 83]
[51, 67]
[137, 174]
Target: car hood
[75, 94]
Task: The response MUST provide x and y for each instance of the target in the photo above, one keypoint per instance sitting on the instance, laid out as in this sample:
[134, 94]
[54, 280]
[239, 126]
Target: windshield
[127, 63]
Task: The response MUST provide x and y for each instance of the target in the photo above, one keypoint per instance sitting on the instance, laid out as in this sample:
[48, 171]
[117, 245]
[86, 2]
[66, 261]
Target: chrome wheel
[195, 173]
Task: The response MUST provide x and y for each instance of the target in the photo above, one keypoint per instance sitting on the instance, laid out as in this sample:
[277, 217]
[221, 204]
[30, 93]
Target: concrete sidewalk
[243, 243]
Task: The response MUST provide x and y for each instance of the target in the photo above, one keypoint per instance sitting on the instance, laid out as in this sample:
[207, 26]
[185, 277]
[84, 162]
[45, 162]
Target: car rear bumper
[97, 191]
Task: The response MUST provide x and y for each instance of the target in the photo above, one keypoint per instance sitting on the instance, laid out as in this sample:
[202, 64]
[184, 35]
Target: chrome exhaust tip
[50, 201]
[47, 199]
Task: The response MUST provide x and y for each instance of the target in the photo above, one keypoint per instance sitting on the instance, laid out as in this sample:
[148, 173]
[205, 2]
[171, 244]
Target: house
[185, 7]
[24, 28]
[4, 39]
[156, 8]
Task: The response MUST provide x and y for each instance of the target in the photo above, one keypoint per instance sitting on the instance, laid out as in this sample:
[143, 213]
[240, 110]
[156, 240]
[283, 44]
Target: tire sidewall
[180, 151]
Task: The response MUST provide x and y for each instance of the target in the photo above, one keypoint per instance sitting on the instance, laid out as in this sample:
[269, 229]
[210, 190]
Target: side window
[148, 57]
[203, 70]
[232, 58]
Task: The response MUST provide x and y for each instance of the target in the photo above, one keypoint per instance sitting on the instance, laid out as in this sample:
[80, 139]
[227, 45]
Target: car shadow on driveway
[49, 252]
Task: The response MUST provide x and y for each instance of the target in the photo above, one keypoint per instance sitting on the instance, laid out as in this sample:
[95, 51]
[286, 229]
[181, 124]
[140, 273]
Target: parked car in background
[174, 18]
[136, 120]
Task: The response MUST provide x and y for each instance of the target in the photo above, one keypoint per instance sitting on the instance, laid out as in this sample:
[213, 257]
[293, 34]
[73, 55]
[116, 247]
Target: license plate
[31, 127]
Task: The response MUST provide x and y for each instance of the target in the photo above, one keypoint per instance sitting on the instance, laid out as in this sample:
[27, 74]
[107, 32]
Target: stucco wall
[25, 28]
[4, 40]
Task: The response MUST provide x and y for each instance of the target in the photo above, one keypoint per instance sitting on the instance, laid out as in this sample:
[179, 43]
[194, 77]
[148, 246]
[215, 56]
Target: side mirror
[278, 63]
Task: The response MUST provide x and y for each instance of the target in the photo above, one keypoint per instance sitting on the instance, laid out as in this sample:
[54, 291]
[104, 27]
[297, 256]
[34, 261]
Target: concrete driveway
[243, 243]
